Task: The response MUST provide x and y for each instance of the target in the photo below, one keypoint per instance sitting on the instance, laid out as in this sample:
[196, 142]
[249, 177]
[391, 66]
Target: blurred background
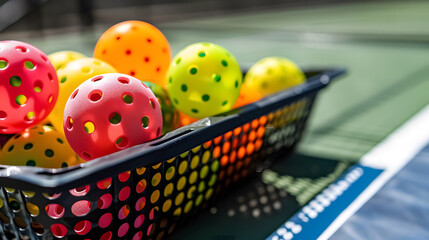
[384, 45]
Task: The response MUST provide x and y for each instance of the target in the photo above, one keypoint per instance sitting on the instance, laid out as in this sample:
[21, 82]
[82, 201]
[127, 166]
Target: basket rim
[162, 148]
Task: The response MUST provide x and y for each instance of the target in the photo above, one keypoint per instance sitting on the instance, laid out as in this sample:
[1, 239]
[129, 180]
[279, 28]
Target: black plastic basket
[146, 191]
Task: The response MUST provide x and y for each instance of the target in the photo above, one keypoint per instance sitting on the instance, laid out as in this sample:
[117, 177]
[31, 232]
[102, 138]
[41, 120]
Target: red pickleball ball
[110, 112]
[28, 86]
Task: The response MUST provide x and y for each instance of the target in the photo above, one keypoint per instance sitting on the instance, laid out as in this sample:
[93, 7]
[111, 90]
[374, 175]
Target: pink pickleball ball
[110, 112]
[28, 86]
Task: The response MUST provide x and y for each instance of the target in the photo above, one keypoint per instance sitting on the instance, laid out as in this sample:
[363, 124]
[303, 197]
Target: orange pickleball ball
[247, 95]
[136, 48]
[185, 119]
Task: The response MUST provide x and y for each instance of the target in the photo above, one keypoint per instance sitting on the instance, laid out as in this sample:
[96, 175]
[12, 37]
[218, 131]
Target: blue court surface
[382, 197]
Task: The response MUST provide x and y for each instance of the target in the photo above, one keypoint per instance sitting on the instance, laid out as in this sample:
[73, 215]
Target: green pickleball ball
[204, 79]
[170, 115]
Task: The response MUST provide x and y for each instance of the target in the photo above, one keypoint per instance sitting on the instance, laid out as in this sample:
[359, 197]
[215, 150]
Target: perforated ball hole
[30, 163]
[15, 81]
[38, 86]
[95, 95]
[89, 127]
[97, 78]
[44, 58]
[74, 94]
[21, 100]
[86, 155]
[152, 103]
[115, 118]
[69, 123]
[128, 52]
[3, 115]
[21, 49]
[3, 64]
[216, 77]
[63, 79]
[49, 153]
[50, 99]
[145, 59]
[121, 142]
[29, 65]
[202, 54]
[193, 70]
[50, 77]
[86, 70]
[127, 98]
[205, 97]
[145, 122]
[124, 80]
[29, 117]
[28, 146]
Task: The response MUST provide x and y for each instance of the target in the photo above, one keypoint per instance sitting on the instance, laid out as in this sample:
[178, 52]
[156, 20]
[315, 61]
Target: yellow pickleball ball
[70, 77]
[204, 79]
[61, 58]
[40, 146]
[273, 74]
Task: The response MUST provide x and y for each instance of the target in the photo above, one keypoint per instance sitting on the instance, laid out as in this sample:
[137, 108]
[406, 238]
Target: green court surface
[383, 46]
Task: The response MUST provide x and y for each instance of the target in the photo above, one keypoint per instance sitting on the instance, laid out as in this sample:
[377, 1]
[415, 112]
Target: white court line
[391, 155]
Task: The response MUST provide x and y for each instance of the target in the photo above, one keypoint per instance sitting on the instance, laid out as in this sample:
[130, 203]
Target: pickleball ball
[273, 74]
[28, 86]
[110, 112]
[170, 116]
[40, 146]
[70, 76]
[247, 95]
[136, 48]
[186, 120]
[61, 58]
[203, 80]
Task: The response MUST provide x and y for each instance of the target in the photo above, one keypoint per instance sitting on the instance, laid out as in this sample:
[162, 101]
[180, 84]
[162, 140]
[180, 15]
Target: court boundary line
[391, 155]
